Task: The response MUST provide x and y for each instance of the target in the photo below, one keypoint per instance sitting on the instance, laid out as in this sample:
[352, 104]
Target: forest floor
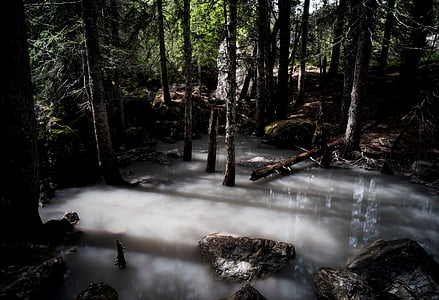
[399, 142]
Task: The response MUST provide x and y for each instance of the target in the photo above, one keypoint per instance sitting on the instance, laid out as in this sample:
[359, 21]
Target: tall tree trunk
[229, 174]
[116, 115]
[261, 80]
[187, 150]
[19, 192]
[284, 40]
[422, 20]
[388, 28]
[338, 35]
[350, 50]
[353, 128]
[107, 161]
[301, 79]
[164, 68]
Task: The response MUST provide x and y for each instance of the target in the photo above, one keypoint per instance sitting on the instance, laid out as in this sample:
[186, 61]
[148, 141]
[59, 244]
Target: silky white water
[326, 214]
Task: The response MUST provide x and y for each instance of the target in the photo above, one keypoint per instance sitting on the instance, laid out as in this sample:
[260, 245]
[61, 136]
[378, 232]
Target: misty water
[325, 213]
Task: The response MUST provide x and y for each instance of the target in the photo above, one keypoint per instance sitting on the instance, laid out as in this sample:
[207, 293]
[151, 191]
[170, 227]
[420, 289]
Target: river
[326, 213]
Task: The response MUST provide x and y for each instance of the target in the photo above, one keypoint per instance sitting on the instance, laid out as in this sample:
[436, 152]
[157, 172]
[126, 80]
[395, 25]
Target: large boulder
[397, 269]
[98, 291]
[244, 258]
[246, 292]
[290, 133]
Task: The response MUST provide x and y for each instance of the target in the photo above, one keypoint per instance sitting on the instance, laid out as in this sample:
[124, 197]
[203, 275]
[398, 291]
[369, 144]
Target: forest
[89, 87]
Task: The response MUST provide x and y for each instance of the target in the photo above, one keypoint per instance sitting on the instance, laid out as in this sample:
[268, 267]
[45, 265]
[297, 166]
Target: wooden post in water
[213, 133]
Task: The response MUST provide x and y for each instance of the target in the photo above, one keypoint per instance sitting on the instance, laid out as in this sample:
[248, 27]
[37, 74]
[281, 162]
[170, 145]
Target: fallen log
[283, 166]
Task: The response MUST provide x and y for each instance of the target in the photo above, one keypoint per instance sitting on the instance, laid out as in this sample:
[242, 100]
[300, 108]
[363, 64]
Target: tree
[388, 28]
[422, 19]
[187, 151]
[358, 93]
[19, 193]
[338, 35]
[107, 161]
[301, 79]
[164, 69]
[284, 40]
[229, 174]
[261, 68]
[350, 50]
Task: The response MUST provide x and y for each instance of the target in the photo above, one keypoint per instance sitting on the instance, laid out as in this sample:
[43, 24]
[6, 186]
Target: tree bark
[213, 134]
[388, 28]
[422, 19]
[187, 149]
[301, 79]
[261, 81]
[19, 192]
[338, 35]
[358, 94]
[107, 161]
[163, 66]
[284, 40]
[229, 174]
[350, 50]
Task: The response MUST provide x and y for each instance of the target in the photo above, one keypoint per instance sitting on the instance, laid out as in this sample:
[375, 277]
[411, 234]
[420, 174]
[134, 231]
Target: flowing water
[326, 214]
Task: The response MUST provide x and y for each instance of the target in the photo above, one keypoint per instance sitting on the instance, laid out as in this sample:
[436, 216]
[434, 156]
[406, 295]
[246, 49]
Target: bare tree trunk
[229, 174]
[116, 115]
[353, 128]
[19, 193]
[213, 134]
[284, 39]
[164, 68]
[422, 20]
[336, 45]
[187, 150]
[388, 28]
[350, 50]
[261, 81]
[301, 79]
[107, 161]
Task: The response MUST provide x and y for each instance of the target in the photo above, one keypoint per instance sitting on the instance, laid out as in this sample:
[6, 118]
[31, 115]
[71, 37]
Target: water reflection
[326, 214]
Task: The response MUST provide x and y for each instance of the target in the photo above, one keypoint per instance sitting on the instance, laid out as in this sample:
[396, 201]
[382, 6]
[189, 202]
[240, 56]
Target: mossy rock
[290, 133]
[138, 137]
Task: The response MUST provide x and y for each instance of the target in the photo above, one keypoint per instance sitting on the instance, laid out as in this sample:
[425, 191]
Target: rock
[244, 258]
[397, 269]
[174, 153]
[98, 291]
[246, 292]
[424, 171]
[398, 265]
[72, 217]
[35, 282]
[290, 133]
[334, 284]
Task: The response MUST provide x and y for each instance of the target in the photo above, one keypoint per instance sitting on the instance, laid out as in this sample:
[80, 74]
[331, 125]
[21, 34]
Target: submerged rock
[246, 292]
[398, 269]
[98, 291]
[244, 258]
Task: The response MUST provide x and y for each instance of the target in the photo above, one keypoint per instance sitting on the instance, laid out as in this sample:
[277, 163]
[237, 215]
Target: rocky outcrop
[290, 133]
[244, 258]
[246, 292]
[98, 291]
[398, 269]
[35, 282]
